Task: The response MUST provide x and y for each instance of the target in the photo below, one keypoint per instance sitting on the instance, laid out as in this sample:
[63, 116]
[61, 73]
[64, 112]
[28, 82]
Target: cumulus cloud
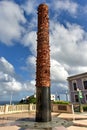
[30, 86]
[6, 67]
[7, 75]
[29, 40]
[65, 5]
[58, 72]
[30, 9]
[31, 60]
[69, 44]
[9, 81]
[12, 85]
[11, 20]
[30, 64]
[4, 77]
[29, 6]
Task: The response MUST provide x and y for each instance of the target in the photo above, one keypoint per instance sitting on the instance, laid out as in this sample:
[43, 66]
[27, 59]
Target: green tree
[31, 99]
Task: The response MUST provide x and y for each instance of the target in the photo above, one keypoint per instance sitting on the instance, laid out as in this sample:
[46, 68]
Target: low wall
[61, 108]
[8, 109]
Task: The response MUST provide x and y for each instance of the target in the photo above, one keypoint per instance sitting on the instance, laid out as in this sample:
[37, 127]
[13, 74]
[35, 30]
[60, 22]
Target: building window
[85, 84]
[76, 98]
[74, 86]
[86, 97]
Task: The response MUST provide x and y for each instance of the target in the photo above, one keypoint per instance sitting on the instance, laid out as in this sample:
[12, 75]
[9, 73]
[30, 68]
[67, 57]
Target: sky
[18, 29]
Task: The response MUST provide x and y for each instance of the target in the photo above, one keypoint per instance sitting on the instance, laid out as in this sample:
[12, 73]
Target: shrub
[61, 102]
[84, 108]
[29, 100]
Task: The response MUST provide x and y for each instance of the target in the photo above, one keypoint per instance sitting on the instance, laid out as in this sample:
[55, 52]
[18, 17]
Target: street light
[11, 98]
[66, 95]
[57, 96]
[80, 97]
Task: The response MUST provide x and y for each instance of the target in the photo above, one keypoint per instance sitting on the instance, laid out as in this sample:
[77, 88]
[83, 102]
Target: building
[52, 97]
[78, 85]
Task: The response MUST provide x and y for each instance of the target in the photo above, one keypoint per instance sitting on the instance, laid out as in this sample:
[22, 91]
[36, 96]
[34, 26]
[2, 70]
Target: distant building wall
[78, 82]
[53, 97]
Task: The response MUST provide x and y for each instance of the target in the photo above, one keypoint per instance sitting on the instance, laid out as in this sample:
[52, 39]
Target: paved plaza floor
[79, 120]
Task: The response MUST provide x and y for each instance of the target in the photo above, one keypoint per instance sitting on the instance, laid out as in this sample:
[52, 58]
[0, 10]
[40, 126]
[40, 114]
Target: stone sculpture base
[55, 124]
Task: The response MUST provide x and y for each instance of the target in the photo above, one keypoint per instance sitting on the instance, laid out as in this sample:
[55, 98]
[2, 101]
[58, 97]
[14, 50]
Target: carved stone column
[43, 105]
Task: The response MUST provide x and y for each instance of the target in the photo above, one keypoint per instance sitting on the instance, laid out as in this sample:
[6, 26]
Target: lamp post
[80, 97]
[58, 96]
[11, 98]
[66, 95]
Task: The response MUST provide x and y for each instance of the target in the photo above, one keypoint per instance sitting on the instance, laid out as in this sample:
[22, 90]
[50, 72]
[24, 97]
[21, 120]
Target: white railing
[8, 109]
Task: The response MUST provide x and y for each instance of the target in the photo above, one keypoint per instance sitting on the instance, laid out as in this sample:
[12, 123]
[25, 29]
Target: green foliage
[85, 108]
[31, 99]
[77, 108]
[61, 102]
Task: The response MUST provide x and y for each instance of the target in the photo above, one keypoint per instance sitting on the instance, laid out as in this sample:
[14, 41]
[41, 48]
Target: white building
[53, 97]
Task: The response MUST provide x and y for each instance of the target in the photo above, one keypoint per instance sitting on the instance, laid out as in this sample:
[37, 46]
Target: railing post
[6, 109]
[30, 107]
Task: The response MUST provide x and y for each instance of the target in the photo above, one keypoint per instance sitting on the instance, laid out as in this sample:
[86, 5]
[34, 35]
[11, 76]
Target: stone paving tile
[56, 128]
[59, 128]
[72, 116]
[76, 128]
[12, 117]
[80, 123]
[10, 128]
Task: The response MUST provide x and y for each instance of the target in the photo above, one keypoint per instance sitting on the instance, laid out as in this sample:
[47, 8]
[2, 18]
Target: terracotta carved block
[43, 51]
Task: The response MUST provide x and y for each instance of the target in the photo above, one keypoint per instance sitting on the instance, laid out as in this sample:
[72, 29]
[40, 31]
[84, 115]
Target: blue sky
[68, 44]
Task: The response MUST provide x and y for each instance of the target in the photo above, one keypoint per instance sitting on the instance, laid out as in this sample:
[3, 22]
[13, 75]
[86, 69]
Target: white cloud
[30, 64]
[69, 43]
[29, 40]
[30, 10]
[29, 6]
[59, 87]
[76, 69]
[12, 85]
[65, 5]
[7, 76]
[31, 60]
[6, 67]
[68, 53]
[9, 81]
[11, 16]
[30, 86]
[58, 72]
